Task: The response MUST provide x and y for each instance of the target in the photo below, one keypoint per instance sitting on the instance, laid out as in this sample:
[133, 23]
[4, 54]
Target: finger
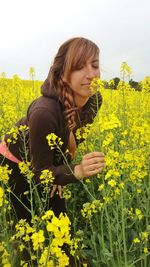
[94, 160]
[95, 166]
[94, 172]
[53, 191]
[60, 191]
[93, 154]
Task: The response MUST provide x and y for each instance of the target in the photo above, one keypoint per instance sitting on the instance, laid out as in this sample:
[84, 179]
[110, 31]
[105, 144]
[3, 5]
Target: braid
[66, 95]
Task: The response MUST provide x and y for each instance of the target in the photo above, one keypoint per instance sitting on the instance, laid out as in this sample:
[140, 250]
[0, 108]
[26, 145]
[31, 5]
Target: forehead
[94, 58]
[84, 57]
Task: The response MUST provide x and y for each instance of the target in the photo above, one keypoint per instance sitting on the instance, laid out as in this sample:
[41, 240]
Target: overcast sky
[31, 32]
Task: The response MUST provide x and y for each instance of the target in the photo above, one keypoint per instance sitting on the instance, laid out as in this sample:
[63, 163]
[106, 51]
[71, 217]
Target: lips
[86, 84]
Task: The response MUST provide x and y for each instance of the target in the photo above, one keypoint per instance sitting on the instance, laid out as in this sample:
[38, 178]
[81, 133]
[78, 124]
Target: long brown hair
[71, 55]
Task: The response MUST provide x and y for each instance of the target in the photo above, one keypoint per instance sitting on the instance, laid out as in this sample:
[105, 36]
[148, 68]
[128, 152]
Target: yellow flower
[122, 143]
[144, 236]
[21, 247]
[48, 215]
[1, 196]
[146, 84]
[108, 139]
[46, 177]
[117, 191]
[100, 188]
[45, 258]
[54, 140]
[66, 193]
[4, 173]
[138, 214]
[125, 71]
[121, 185]
[139, 190]
[91, 208]
[25, 169]
[145, 250]
[37, 239]
[136, 240]
[112, 173]
[63, 260]
[112, 183]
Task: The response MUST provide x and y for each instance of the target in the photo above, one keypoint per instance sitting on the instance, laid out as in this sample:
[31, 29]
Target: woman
[65, 105]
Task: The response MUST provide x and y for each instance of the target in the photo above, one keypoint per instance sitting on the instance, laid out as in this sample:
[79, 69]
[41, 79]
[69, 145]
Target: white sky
[31, 32]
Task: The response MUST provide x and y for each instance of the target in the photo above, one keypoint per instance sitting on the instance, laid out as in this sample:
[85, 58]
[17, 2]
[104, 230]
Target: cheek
[75, 79]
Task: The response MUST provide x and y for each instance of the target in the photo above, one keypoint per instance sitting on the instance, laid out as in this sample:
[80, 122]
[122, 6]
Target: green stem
[118, 252]
[87, 190]
[21, 202]
[102, 232]
[109, 230]
[123, 231]
[94, 239]
[31, 200]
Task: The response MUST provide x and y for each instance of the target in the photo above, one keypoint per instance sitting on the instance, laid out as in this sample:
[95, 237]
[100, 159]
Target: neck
[80, 101]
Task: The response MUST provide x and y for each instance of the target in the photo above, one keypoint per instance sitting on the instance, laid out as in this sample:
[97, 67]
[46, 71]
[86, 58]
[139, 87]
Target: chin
[89, 94]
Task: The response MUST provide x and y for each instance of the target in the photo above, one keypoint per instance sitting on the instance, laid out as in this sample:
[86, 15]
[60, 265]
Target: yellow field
[109, 215]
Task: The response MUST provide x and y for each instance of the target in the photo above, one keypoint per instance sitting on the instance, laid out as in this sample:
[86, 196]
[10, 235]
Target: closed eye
[79, 68]
[95, 66]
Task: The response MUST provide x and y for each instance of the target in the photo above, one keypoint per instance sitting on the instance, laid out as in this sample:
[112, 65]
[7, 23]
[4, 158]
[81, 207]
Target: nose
[91, 73]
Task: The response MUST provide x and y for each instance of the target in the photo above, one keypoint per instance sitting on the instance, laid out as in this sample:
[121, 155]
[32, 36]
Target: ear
[63, 78]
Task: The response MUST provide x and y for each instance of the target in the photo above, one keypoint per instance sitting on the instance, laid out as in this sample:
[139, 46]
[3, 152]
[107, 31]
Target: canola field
[108, 216]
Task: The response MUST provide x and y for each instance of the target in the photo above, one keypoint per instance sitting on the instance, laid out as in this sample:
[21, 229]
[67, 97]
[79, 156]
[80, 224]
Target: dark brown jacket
[45, 115]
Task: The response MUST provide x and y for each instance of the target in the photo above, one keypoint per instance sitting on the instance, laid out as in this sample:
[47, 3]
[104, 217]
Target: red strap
[4, 150]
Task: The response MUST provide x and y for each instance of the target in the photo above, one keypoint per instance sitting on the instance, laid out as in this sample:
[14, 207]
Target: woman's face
[81, 78]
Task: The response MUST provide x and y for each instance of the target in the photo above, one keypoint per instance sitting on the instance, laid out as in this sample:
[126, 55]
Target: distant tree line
[115, 81]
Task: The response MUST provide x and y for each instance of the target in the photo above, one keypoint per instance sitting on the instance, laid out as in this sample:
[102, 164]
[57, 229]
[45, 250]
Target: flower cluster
[54, 141]
[4, 255]
[91, 208]
[46, 177]
[48, 239]
[59, 228]
[96, 85]
[14, 132]
[4, 174]
[25, 168]
[143, 238]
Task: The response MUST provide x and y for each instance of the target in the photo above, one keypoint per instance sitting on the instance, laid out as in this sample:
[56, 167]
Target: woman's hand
[58, 188]
[91, 164]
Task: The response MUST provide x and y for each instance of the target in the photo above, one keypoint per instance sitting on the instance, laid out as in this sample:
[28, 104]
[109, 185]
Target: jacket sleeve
[41, 123]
